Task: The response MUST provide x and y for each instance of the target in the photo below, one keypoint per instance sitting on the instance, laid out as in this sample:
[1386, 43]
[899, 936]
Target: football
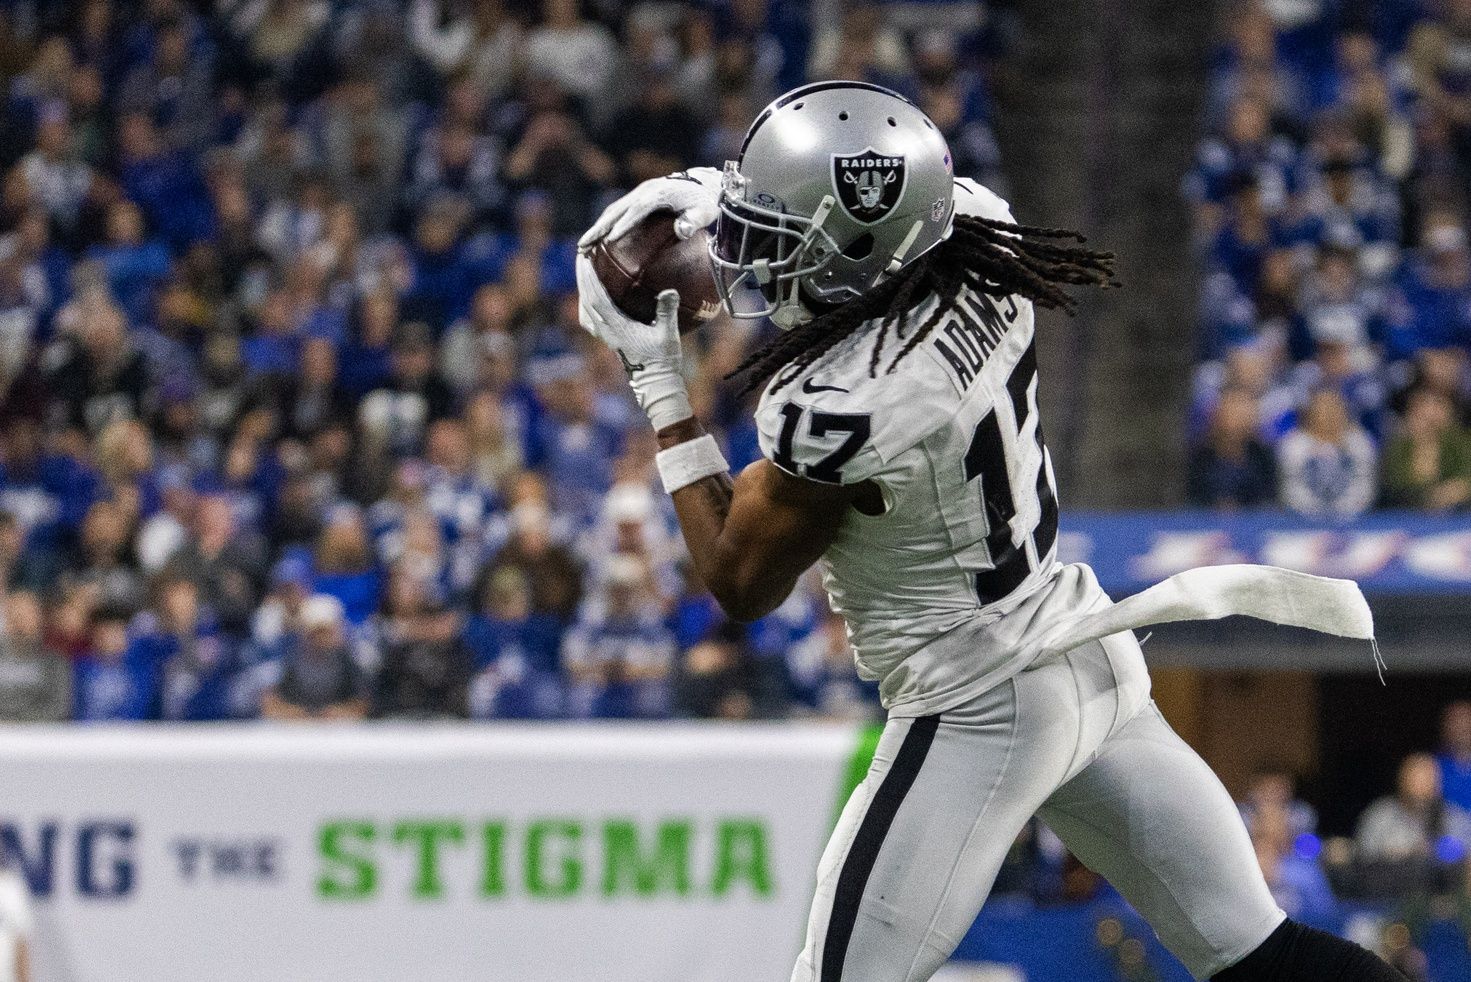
[649, 259]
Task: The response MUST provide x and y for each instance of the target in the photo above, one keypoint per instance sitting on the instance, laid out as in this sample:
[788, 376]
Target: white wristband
[693, 460]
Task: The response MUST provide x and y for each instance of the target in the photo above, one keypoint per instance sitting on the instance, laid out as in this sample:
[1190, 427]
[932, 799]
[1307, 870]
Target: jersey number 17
[986, 458]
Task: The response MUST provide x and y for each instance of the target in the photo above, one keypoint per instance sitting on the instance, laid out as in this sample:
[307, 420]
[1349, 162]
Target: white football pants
[1076, 741]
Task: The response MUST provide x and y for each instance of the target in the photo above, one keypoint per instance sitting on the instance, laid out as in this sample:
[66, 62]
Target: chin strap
[791, 313]
[896, 262]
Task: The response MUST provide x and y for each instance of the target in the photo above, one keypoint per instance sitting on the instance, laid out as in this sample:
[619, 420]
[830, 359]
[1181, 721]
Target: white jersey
[953, 440]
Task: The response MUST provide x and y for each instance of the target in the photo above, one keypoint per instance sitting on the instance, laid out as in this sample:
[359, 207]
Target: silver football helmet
[839, 185]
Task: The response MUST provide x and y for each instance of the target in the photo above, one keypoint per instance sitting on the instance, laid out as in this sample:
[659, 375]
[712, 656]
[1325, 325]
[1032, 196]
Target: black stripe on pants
[870, 838]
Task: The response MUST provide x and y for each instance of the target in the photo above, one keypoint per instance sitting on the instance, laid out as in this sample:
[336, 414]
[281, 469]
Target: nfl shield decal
[869, 184]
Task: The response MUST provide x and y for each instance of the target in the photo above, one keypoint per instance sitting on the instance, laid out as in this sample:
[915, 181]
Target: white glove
[651, 353]
[693, 194]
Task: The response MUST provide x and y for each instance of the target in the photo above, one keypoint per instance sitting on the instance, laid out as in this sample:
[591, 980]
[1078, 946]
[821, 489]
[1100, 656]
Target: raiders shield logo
[869, 184]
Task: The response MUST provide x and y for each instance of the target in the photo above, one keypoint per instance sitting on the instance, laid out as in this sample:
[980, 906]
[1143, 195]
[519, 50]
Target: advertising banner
[474, 853]
[586, 853]
[1386, 552]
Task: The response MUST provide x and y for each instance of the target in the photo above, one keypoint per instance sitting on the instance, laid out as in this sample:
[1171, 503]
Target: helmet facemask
[761, 255]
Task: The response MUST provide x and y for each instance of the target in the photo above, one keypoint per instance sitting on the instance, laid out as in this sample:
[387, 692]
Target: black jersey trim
[864, 852]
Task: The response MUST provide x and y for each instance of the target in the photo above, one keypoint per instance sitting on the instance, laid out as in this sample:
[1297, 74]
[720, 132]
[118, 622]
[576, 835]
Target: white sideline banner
[580, 853]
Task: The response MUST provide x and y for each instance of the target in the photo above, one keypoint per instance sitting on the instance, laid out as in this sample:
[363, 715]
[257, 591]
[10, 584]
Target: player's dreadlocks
[992, 257]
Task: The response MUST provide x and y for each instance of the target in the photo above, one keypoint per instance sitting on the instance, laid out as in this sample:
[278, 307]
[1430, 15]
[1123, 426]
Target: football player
[903, 448]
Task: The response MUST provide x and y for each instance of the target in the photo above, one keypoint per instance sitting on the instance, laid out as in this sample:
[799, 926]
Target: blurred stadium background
[296, 422]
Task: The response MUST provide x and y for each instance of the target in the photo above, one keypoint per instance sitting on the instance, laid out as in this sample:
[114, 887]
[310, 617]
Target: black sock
[1294, 953]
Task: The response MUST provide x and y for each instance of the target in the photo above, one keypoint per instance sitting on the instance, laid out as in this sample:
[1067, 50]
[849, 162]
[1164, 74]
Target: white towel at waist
[1269, 593]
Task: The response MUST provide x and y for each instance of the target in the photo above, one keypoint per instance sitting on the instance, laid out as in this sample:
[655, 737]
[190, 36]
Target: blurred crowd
[1405, 863]
[1409, 847]
[1330, 210]
[296, 419]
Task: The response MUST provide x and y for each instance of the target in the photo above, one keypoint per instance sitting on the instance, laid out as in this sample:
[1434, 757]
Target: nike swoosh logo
[632, 368]
[811, 389]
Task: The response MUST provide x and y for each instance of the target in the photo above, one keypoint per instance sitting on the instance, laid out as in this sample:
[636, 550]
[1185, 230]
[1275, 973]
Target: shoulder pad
[835, 424]
[975, 199]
